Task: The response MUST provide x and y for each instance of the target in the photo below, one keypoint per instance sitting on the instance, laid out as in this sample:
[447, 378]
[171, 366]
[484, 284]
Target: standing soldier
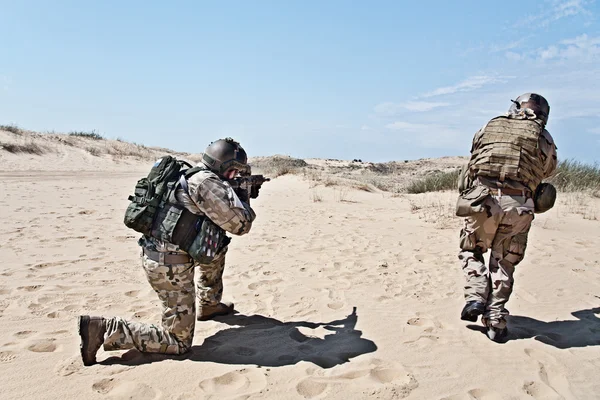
[197, 207]
[501, 190]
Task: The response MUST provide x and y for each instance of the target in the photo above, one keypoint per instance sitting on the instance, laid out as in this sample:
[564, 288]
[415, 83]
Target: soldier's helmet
[224, 154]
[538, 104]
[544, 197]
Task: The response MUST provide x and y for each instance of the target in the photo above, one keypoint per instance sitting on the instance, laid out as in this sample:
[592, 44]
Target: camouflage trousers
[502, 227]
[174, 284]
[209, 289]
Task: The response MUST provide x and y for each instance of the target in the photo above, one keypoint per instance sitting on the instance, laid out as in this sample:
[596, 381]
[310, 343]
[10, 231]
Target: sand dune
[296, 279]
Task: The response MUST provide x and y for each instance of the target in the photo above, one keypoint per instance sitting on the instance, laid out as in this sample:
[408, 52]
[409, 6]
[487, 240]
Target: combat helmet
[544, 197]
[223, 154]
[538, 104]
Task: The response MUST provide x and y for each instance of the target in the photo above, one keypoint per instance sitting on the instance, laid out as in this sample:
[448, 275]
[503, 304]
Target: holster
[470, 201]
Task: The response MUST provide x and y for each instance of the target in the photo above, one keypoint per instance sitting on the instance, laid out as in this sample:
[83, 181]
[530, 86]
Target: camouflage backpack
[155, 212]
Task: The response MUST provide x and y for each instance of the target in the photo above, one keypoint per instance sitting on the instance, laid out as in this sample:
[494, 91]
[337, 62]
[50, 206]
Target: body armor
[508, 148]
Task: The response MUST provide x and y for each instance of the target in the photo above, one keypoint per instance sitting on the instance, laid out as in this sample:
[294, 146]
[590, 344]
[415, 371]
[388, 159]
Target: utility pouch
[470, 202]
[210, 240]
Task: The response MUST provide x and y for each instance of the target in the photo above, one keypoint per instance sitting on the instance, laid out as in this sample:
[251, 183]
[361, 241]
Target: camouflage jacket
[210, 196]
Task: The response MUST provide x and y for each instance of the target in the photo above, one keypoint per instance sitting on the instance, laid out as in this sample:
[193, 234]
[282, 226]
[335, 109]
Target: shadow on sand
[582, 332]
[264, 341]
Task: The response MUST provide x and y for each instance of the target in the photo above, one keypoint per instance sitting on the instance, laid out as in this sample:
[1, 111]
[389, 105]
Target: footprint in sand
[43, 346]
[552, 377]
[69, 366]
[235, 383]
[477, 394]
[31, 288]
[429, 328]
[336, 305]
[124, 389]
[378, 378]
[7, 356]
[23, 334]
[104, 386]
[310, 388]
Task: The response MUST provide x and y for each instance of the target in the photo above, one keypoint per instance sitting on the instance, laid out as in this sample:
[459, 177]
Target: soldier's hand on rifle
[242, 194]
[254, 189]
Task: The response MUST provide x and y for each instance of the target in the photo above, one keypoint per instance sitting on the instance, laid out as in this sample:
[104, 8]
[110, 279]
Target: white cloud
[401, 125]
[389, 109]
[509, 46]
[468, 85]
[420, 106]
[513, 56]
[366, 128]
[582, 48]
[568, 8]
[557, 10]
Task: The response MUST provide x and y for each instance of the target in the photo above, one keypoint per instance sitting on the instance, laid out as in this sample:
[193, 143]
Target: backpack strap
[186, 175]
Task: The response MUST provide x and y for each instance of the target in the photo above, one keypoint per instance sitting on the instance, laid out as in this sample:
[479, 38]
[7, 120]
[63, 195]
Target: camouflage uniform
[207, 195]
[502, 226]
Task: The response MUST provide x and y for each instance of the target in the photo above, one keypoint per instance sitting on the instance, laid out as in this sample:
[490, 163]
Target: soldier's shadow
[264, 341]
[582, 332]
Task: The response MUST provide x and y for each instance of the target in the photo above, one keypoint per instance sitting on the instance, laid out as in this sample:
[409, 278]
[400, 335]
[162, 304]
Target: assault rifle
[250, 183]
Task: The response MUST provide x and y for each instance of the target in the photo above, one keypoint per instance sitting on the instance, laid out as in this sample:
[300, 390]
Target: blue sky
[375, 80]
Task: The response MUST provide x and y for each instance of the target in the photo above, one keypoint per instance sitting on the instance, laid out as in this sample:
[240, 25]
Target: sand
[315, 254]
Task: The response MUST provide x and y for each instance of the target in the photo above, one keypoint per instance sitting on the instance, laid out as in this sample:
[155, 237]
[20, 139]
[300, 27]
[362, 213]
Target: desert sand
[315, 254]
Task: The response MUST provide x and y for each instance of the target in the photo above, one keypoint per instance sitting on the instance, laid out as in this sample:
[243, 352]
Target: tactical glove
[254, 191]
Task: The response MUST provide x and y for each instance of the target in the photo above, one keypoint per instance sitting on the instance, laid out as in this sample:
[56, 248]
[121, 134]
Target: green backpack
[150, 192]
[155, 212]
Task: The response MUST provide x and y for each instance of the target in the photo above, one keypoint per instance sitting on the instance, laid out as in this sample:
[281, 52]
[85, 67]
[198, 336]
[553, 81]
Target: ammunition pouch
[470, 201]
[464, 180]
[197, 235]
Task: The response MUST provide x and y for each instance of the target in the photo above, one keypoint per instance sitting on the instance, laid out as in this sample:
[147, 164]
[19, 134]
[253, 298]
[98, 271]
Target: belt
[168, 257]
[510, 192]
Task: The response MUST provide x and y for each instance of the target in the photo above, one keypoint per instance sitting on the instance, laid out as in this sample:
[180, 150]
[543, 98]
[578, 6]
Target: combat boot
[91, 331]
[496, 334]
[208, 312]
[472, 310]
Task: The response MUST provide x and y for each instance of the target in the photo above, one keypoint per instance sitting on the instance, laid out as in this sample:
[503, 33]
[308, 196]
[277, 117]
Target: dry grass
[277, 165]
[95, 151]
[580, 203]
[436, 208]
[29, 147]
[12, 128]
[435, 182]
[573, 176]
[91, 142]
[89, 135]
[316, 196]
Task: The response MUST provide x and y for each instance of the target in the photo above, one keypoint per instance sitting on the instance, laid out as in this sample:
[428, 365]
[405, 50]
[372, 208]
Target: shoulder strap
[186, 175]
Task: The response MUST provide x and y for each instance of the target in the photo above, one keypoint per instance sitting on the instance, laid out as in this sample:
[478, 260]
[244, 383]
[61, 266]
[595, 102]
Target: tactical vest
[508, 148]
[154, 211]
